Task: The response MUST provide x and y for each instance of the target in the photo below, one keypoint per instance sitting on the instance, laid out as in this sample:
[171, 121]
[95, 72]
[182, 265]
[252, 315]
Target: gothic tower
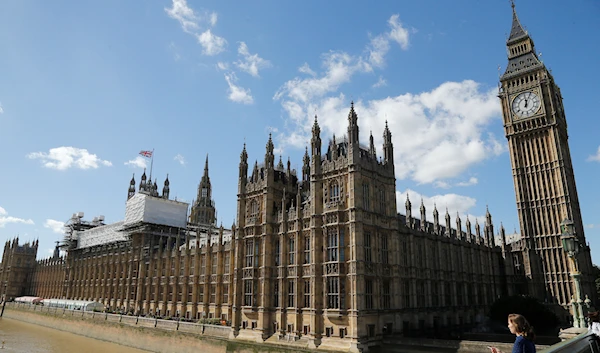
[203, 210]
[536, 129]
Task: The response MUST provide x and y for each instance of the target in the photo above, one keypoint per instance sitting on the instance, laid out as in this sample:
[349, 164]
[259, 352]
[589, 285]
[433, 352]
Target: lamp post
[570, 245]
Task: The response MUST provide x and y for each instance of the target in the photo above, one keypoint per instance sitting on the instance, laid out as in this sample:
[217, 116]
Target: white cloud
[446, 185]
[378, 48]
[305, 69]
[398, 33]
[211, 43]
[471, 181]
[236, 93]
[179, 158]
[456, 204]
[192, 23]
[437, 135]
[222, 66]
[250, 63]
[185, 15]
[595, 157]
[62, 158]
[56, 226]
[213, 19]
[1, 109]
[380, 44]
[6, 219]
[137, 162]
[380, 83]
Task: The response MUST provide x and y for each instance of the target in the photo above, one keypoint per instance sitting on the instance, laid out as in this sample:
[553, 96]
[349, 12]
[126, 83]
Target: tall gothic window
[249, 252]
[276, 294]
[214, 263]
[334, 191]
[248, 292]
[448, 294]
[253, 208]
[291, 293]
[384, 249]
[307, 293]
[406, 293]
[256, 252]
[226, 262]
[213, 293]
[307, 249]
[387, 296]
[332, 244]
[333, 292]
[368, 294]
[435, 300]
[204, 192]
[292, 249]
[225, 293]
[277, 252]
[366, 198]
[367, 247]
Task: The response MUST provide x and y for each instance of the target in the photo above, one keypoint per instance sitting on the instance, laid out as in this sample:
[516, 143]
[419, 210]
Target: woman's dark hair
[522, 326]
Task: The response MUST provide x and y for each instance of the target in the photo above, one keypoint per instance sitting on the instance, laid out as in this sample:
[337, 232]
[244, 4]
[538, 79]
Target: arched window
[253, 208]
[334, 191]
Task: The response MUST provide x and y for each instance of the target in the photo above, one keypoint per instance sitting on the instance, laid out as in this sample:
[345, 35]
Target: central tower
[536, 128]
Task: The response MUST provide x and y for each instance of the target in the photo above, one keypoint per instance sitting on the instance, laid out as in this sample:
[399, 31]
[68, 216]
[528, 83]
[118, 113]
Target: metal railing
[586, 342]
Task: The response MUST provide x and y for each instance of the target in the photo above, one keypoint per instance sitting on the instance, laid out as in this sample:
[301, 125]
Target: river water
[18, 336]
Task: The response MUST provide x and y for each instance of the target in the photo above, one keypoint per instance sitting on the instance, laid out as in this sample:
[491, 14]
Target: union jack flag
[147, 154]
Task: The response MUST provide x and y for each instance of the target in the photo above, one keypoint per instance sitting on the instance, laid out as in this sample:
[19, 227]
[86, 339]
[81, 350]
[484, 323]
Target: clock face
[526, 104]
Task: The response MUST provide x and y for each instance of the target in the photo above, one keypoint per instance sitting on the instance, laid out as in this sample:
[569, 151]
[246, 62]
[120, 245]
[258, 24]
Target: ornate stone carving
[332, 268]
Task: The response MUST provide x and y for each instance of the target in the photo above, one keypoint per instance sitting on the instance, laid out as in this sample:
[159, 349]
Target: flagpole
[151, 163]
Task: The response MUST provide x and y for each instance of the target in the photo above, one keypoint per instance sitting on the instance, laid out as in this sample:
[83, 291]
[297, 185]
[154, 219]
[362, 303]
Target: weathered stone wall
[165, 337]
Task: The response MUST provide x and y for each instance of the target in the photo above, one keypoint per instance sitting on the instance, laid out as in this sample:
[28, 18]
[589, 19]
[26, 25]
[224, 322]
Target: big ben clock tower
[536, 129]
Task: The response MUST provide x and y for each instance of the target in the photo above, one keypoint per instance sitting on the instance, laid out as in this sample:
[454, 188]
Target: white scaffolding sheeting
[109, 233]
[148, 209]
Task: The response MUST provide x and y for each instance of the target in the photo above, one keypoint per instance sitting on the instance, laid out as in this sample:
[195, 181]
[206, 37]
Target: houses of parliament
[322, 254]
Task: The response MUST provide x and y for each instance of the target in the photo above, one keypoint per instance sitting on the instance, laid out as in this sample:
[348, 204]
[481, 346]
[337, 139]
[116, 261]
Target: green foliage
[539, 316]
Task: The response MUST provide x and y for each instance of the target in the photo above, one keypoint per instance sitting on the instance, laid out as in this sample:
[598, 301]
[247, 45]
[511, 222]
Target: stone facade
[324, 256]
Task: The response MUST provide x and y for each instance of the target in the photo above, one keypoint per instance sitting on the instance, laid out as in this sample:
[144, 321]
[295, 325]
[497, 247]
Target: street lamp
[570, 245]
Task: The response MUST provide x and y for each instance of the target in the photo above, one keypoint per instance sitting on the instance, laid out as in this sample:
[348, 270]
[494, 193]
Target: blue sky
[86, 85]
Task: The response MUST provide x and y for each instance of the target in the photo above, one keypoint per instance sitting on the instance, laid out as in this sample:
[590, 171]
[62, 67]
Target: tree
[539, 316]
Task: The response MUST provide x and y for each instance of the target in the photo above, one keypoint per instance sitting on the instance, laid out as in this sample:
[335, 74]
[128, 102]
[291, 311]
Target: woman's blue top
[523, 345]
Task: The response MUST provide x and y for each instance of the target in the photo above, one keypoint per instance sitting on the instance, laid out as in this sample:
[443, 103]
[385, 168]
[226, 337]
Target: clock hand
[525, 103]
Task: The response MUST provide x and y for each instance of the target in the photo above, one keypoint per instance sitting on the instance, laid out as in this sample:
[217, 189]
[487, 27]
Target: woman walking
[518, 325]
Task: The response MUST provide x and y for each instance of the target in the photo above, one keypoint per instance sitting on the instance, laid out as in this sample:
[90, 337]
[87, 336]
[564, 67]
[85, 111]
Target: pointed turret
[280, 164]
[436, 220]
[243, 171]
[448, 224]
[469, 233]
[143, 181]
[131, 191]
[423, 216]
[269, 156]
[408, 206]
[458, 226]
[352, 126]
[520, 49]
[372, 151]
[477, 232]
[516, 31]
[388, 147]
[306, 166]
[203, 210]
[315, 141]
[166, 188]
